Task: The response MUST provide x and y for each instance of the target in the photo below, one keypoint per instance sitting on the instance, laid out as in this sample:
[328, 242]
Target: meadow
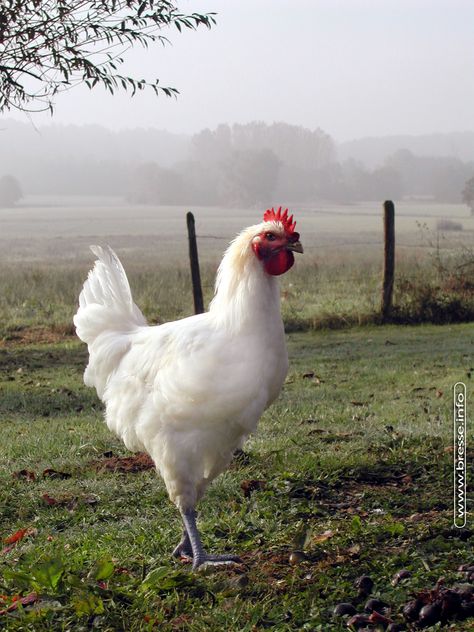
[350, 473]
[45, 257]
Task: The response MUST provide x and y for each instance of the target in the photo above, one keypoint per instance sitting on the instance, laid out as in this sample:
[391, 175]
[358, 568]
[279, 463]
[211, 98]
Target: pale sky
[351, 67]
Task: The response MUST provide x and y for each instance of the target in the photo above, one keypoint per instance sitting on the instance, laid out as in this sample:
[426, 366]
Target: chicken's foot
[184, 547]
[200, 556]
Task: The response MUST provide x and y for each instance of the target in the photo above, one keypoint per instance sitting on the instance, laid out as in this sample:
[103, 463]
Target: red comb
[288, 223]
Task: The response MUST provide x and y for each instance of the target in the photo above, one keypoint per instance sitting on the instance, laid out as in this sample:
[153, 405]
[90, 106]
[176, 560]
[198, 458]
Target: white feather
[188, 392]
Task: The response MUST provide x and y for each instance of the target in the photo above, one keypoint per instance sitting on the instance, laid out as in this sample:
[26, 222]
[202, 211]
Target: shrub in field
[10, 191]
[450, 301]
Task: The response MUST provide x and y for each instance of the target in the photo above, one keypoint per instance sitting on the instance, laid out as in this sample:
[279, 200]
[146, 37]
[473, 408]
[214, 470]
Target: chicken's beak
[295, 247]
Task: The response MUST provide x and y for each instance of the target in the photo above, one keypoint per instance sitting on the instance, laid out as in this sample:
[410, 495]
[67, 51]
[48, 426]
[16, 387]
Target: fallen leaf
[250, 486]
[18, 535]
[439, 393]
[26, 474]
[20, 601]
[49, 500]
[322, 537]
[12, 540]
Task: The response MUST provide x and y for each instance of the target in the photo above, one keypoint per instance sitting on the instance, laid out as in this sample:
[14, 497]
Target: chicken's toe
[183, 549]
[214, 560]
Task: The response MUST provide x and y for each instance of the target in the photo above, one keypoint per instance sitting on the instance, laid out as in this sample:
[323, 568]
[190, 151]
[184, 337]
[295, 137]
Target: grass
[333, 291]
[354, 470]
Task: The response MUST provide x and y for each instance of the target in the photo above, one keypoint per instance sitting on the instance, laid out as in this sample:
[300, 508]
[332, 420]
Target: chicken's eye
[270, 237]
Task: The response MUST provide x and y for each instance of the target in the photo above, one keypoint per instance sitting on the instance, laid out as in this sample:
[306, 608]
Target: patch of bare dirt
[139, 462]
[38, 335]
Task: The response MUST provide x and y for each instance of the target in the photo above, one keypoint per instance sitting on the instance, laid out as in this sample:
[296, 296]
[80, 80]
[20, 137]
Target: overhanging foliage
[47, 46]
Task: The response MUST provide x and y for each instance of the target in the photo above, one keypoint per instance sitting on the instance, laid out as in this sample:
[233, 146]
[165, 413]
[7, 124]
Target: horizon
[5, 120]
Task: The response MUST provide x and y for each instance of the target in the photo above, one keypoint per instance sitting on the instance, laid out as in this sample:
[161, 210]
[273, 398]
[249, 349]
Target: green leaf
[103, 569]
[395, 528]
[88, 604]
[48, 574]
[356, 524]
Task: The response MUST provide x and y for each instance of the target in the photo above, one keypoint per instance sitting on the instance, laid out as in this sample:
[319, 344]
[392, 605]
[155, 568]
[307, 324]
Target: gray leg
[199, 554]
[184, 547]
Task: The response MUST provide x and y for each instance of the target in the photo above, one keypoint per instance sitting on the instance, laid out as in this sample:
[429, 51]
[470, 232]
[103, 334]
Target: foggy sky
[351, 67]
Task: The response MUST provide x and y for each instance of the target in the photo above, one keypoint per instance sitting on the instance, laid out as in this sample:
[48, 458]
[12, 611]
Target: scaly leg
[184, 547]
[200, 556]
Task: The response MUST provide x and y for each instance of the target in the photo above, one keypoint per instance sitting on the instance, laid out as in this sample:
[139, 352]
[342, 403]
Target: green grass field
[349, 474]
[354, 469]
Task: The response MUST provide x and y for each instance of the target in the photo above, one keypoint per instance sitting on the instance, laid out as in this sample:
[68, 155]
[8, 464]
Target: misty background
[282, 102]
[250, 164]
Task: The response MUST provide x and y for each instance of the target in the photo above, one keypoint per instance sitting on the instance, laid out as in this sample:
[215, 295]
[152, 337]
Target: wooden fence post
[389, 258]
[194, 261]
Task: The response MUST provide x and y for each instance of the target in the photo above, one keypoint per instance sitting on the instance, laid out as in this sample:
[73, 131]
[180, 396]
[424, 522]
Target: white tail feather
[106, 316]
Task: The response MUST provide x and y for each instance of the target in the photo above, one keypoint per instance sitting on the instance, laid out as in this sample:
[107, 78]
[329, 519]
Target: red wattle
[279, 263]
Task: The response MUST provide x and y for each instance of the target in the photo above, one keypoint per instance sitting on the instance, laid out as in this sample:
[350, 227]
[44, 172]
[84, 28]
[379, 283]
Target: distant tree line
[258, 164]
[239, 165]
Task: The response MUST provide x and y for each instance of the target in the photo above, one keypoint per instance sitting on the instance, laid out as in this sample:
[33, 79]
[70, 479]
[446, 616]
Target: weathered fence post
[194, 261]
[389, 257]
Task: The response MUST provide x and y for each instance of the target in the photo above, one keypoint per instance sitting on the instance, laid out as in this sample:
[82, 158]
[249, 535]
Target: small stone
[429, 615]
[376, 605]
[400, 576]
[365, 584]
[358, 621]
[296, 557]
[411, 610]
[344, 609]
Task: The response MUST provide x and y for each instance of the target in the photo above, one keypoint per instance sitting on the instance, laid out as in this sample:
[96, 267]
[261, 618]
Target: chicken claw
[183, 549]
[199, 555]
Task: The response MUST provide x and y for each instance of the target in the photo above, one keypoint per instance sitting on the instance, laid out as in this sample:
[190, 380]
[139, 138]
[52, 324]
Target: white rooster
[189, 392]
